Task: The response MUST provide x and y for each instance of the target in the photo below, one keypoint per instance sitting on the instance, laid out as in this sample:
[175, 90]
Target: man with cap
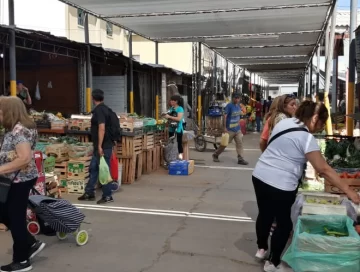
[232, 114]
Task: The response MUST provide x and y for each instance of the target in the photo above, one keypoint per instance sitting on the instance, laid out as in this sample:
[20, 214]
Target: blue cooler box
[181, 168]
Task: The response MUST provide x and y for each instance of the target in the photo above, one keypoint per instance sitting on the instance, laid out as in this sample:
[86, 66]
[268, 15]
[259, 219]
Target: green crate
[149, 129]
[49, 164]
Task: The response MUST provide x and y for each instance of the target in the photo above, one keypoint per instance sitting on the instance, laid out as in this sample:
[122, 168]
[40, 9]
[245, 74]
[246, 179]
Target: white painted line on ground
[233, 149]
[162, 211]
[102, 208]
[225, 167]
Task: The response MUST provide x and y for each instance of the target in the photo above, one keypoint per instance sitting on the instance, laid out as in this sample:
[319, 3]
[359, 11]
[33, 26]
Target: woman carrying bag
[18, 175]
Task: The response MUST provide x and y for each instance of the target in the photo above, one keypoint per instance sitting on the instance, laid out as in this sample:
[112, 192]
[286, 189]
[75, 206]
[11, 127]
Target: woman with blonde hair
[281, 108]
[18, 166]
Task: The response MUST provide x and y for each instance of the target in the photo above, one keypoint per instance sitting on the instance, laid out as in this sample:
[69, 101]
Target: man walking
[103, 146]
[232, 127]
[258, 107]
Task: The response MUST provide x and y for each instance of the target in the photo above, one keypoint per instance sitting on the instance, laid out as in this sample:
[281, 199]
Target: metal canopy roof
[274, 39]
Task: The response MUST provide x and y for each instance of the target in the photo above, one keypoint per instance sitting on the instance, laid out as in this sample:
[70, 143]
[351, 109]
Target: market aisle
[179, 237]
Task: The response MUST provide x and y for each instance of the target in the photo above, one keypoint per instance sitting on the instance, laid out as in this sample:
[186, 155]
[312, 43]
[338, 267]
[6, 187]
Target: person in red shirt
[258, 108]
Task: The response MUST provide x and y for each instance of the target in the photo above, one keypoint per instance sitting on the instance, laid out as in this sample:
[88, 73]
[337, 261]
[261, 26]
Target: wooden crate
[131, 168]
[353, 184]
[61, 170]
[76, 186]
[160, 136]
[148, 141]
[55, 125]
[58, 151]
[129, 147]
[130, 124]
[78, 169]
[81, 138]
[151, 160]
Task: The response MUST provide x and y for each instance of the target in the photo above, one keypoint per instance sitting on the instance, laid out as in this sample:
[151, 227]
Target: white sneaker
[261, 254]
[269, 267]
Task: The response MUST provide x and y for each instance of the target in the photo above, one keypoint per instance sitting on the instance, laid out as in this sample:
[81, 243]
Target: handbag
[5, 183]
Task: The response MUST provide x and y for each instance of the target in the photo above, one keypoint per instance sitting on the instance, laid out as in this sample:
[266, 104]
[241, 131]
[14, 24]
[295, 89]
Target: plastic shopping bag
[114, 167]
[315, 250]
[104, 172]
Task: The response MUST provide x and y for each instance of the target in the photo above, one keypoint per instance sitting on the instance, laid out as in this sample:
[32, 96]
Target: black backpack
[114, 126]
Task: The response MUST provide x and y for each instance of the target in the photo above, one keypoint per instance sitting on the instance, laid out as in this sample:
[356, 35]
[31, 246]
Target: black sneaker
[105, 200]
[16, 267]
[87, 197]
[241, 161]
[36, 249]
[215, 158]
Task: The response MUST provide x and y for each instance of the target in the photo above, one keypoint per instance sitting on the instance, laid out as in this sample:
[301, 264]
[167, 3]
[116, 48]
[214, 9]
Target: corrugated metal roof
[343, 18]
[277, 29]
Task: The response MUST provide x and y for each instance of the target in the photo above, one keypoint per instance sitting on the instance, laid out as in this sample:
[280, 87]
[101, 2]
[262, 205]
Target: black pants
[179, 140]
[273, 204]
[14, 217]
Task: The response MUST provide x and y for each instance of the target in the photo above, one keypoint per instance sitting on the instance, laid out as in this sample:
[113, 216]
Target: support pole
[311, 78]
[157, 106]
[3, 68]
[215, 73]
[334, 82]
[157, 52]
[199, 110]
[350, 96]
[317, 73]
[88, 64]
[330, 49]
[304, 88]
[227, 77]
[12, 49]
[131, 73]
[234, 84]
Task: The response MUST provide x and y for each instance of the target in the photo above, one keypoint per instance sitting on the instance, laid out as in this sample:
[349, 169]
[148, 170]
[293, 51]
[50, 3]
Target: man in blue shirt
[232, 127]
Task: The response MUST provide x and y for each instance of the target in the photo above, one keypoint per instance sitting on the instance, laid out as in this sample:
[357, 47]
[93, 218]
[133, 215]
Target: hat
[19, 82]
[235, 95]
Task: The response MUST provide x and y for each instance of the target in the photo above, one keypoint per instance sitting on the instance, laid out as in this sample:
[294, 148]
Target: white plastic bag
[37, 92]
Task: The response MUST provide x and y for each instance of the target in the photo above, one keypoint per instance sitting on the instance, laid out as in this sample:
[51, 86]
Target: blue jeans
[94, 174]
[258, 121]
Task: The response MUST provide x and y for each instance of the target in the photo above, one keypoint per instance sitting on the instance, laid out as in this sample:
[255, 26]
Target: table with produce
[327, 224]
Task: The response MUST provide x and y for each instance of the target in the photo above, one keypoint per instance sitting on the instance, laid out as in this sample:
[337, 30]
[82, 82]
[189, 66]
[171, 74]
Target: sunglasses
[290, 96]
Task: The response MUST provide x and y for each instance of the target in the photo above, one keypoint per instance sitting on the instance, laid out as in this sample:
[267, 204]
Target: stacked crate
[129, 153]
[77, 175]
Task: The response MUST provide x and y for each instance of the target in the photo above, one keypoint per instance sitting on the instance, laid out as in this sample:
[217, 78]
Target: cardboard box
[353, 184]
[76, 186]
[77, 169]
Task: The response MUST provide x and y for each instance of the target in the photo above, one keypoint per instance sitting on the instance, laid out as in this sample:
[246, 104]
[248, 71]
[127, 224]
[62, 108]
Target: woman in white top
[278, 171]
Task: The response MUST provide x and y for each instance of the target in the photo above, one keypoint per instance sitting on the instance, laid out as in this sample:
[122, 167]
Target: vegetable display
[322, 201]
[343, 154]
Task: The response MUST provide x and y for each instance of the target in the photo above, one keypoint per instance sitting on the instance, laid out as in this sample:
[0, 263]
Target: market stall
[326, 223]
[67, 148]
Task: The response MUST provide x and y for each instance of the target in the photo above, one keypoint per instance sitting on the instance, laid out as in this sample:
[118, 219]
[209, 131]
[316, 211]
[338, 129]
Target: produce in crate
[343, 154]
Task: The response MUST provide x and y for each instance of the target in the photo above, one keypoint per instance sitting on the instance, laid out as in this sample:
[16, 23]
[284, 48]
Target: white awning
[265, 37]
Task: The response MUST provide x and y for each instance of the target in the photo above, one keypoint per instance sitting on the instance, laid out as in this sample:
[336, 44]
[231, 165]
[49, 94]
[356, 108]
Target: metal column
[318, 73]
[88, 64]
[233, 83]
[334, 82]
[311, 79]
[350, 96]
[330, 51]
[131, 74]
[215, 73]
[199, 105]
[156, 82]
[227, 77]
[3, 68]
[12, 49]
[157, 52]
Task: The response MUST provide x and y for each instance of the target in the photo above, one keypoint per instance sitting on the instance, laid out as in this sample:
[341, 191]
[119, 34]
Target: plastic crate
[147, 129]
[181, 168]
[321, 197]
[49, 164]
